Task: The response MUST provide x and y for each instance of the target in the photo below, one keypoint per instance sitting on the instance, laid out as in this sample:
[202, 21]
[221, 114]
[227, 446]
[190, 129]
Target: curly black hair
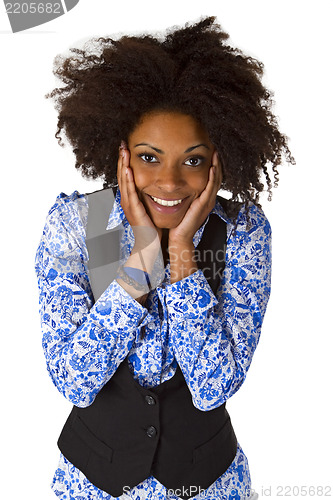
[111, 84]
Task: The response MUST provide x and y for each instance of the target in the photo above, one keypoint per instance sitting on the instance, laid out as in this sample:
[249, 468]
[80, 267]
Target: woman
[149, 343]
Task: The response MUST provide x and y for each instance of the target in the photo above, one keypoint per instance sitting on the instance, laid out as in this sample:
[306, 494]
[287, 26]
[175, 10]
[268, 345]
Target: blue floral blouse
[212, 338]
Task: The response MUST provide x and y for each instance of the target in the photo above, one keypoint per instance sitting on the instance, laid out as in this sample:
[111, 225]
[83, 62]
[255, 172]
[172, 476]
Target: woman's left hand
[181, 249]
[200, 207]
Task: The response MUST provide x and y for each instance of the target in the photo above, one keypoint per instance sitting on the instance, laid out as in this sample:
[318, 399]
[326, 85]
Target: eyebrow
[162, 152]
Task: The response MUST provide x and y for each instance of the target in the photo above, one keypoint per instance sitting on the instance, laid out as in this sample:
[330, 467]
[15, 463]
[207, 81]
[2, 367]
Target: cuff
[189, 297]
[117, 306]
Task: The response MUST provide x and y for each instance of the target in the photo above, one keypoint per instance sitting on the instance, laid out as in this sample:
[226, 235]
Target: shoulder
[250, 235]
[64, 230]
[68, 210]
[252, 220]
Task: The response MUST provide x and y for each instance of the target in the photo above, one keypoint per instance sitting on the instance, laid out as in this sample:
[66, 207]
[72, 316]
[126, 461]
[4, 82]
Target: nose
[170, 178]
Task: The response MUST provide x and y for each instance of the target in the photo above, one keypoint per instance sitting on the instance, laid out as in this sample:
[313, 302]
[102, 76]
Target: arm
[83, 343]
[214, 339]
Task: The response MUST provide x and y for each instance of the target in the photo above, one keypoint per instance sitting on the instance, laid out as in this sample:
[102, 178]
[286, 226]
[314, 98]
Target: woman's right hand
[143, 227]
[146, 252]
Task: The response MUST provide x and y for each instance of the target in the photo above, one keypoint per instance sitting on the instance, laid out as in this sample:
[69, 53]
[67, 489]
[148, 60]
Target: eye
[195, 161]
[148, 158]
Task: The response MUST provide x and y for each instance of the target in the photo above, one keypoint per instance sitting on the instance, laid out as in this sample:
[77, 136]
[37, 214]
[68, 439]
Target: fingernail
[122, 145]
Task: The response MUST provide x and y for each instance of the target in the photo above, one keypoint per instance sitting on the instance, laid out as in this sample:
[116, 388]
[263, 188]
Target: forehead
[165, 126]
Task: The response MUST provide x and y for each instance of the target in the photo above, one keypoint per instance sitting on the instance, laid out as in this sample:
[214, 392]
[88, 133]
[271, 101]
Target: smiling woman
[150, 360]
[173, 170]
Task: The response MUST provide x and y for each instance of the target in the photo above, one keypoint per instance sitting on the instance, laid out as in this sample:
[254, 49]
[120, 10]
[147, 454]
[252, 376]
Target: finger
[208, 195]
[133, 203]
[132, 196]
[120, 172]
[131, 190]
[122, 148]
[211, 187]
[218, 168]
[214, 178]
[120, 166]
[123, 181]
[133, 199]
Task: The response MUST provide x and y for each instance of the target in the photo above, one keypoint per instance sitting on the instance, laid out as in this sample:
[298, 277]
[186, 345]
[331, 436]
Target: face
[170, 157]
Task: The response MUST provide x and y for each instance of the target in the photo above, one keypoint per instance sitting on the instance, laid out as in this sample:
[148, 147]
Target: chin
[166, 224]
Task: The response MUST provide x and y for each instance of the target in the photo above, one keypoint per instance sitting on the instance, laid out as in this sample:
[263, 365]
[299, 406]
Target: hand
[181, 249]
[147, 249]
[143, 227]
[200, 207]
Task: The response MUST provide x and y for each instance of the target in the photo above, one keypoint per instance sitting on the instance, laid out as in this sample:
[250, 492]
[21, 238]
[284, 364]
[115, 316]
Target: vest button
[150, 400]
[151, 431]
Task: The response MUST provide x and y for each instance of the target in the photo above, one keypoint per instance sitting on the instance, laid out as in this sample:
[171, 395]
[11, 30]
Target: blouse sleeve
[83, 342]
[214, 338]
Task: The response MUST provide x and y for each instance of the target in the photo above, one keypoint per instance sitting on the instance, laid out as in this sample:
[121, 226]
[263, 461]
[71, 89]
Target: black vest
[129, 433]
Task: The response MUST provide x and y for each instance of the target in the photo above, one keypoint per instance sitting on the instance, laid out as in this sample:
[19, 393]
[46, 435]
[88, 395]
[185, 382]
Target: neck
[164, 244]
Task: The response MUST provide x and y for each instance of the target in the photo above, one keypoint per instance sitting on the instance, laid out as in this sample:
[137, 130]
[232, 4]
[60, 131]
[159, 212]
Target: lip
[163, 209]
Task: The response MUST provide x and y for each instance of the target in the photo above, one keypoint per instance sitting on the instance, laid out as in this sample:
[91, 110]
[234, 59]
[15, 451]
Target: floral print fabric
[212, 338]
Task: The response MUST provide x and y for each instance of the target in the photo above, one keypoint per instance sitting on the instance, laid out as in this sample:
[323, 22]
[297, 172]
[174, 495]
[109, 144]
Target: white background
[283, 413]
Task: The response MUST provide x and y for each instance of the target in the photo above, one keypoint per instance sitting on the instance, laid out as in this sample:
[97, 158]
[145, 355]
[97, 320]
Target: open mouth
[166, 206]
[166, 203]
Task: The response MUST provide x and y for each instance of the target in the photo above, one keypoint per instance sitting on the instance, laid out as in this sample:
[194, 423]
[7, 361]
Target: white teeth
[166, 203]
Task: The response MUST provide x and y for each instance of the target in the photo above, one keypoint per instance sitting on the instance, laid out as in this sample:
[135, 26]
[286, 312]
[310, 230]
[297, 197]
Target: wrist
[181, 251]
[146, 238]
[134, 276]
[183, 260]
[135, 281]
